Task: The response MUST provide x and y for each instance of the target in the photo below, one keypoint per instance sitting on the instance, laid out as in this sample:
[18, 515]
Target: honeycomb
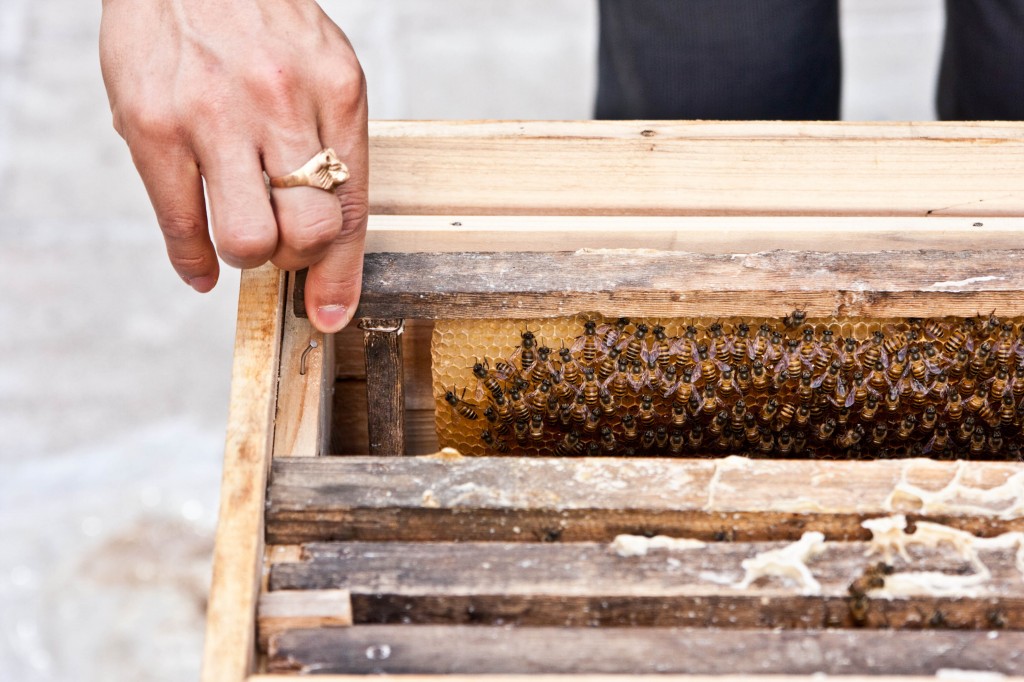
[850, 388]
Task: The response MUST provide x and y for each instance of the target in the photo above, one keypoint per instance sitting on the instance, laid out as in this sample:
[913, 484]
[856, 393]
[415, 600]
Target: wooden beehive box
[371, 561]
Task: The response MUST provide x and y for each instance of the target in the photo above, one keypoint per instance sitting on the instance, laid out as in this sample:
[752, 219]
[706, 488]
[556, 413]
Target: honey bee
[552, 409]
[538, 398]
[847, 355]
[629, 427]
[607, 440]
[520, 408]
[873, 578]
[979, 359]
[1000, 383]
[934, 329]
[897, 368]
[647, 439]
[954, 406]
[977, 400]
[591, 389]
[635, 344]
[995, 442]
[794, 319]
[726, 386]
[895, 342]
[871, 351]
[803, 416]
[743, 378]
[659, 353]
[719, 346]
[537, 427]
[966, 430]
[892, 399]
[878, 434]
[570, 370]
[785, 442]
[611, 336]
[711, 401]
[685, 349]
[825, 429]
[959, 365]
[593, 422]
[929, 418]
[851, 437]
[707, 370]
[695, 437]
[766, 441]
[505, 371]
[487, 437]
[647, 413]
[740, 344]
[569, 445]
[760, 379]
[938, 443]
[463, 408]
[676, 442]
[637, 376]
[586, 345]
[679, 417]
[870, 407]
[1007, 410]
[979, 441]
[661, 437]
[1017, 388]
[751, 428]
[485, 380]
[906, 427]
[959, 338]
[787, 411]
[608, 403]
[830, 380]
[618, 383]
[718, 423]
[579, 410]
[522, 430]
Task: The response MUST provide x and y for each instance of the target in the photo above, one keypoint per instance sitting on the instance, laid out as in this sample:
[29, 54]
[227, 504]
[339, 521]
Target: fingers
[308, 218]
[333, 283]
[244, 228]
[176, 191]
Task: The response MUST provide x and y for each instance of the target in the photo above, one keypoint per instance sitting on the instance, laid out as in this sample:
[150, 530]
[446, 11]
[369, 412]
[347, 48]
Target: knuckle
[315, 232]
[178, 227]
[348, 83]
[354, 217]
[246, 247]
[148, 120]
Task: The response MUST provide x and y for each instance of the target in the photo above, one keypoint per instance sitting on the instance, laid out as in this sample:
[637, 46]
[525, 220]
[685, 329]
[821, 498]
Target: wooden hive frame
[903, 219]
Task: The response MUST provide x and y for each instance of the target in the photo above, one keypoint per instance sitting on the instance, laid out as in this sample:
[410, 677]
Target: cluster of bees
[942, 388]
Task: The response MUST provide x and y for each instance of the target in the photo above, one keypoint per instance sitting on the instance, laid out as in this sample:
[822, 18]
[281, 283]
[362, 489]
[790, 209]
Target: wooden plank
[638, 283]
[230, 647]
[385, 389]
[297, 609]
[580, 499]
[556, 650]
[350, 363]
[349, 430]
[302, 424]
[697, 168]
[698, 234]
[442, 677]
[590, 584]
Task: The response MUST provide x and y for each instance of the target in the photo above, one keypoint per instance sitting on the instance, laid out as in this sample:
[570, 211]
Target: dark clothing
[780, 60]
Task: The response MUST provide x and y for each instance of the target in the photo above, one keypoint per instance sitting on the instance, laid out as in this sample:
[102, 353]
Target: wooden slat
[697, 167]
[530, 499]
[638, 283]
[698, 234]
[442, 677]
[385, 388]
[478, 650]
[296, 609]
[589, 584]
[350, 363]
[302, 424]
[230, 647]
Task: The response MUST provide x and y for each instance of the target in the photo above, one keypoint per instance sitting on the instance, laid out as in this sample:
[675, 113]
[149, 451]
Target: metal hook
[302, 360]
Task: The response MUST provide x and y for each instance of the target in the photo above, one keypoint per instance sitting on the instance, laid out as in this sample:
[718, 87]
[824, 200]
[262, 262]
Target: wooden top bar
[697, 168]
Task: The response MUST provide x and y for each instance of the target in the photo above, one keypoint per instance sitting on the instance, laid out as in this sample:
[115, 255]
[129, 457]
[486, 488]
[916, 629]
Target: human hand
[221, 91]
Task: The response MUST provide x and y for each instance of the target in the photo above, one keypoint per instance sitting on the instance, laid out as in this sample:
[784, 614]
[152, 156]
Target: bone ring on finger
[324, 171]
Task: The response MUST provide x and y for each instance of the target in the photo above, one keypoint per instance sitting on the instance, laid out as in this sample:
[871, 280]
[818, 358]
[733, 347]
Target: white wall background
[114, 376]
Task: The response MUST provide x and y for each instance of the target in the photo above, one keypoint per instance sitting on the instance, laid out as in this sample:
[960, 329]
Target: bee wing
[639, 380]
[817, 381]
[577, 345]
[649, 355]
[850, 398]
[917, 386]
[782, 364]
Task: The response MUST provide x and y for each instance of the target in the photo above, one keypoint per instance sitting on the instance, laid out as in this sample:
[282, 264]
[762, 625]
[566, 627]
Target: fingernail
[202, 284]
[332, 317]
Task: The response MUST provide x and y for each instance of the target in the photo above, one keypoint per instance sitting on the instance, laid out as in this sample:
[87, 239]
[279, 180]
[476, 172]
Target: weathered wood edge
[482, 649]
[639, 282]
[303, 418]
[583, 499]
[230, 647]
[297, 609]
[609, 678]
[696, 234]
